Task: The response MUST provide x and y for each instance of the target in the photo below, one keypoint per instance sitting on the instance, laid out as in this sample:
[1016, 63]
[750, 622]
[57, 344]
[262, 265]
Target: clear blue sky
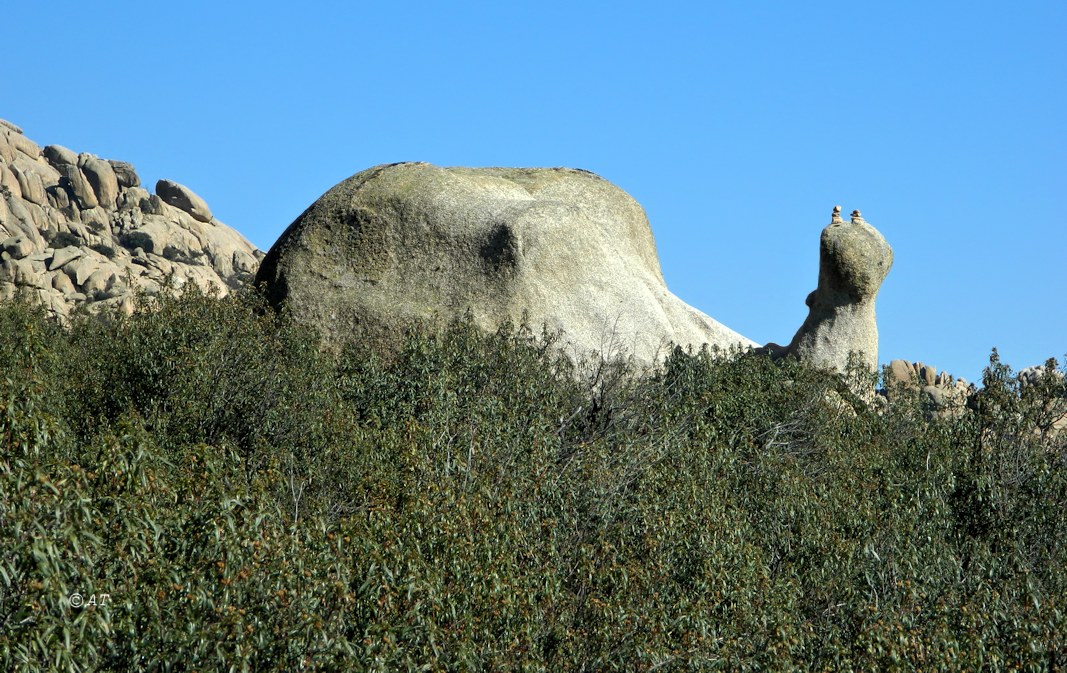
[737, 125]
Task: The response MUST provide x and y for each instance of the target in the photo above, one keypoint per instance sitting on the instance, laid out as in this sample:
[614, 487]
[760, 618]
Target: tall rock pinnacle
[854, 259]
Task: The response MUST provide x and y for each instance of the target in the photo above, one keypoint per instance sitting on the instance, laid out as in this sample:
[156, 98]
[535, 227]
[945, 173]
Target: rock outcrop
[183, 198]
[854, 259]
[1047, 381]
[1036, 375]
[404, 243]
[77, 229]
[943, 393]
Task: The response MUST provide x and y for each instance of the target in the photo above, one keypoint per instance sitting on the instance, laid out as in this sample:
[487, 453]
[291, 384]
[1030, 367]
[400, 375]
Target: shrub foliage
[198, 487]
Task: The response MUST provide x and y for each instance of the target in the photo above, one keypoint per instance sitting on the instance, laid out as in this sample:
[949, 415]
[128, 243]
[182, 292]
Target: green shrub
[105, 250]
[221, 495]
[64, 239]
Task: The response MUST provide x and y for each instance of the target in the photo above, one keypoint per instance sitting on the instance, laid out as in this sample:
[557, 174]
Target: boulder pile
[944, 395]
[77, 229]
[943, 392]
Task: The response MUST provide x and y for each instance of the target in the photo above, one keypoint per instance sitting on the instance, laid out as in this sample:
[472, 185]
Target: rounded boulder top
[855, 258]
[399, 244]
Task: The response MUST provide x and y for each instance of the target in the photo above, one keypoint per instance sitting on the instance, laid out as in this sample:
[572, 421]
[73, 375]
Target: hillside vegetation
[197, 487]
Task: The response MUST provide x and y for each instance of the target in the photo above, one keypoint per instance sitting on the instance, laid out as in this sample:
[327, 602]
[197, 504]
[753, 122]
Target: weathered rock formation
[398, 244]
[77, 229]
[853, 261]
[945, 394]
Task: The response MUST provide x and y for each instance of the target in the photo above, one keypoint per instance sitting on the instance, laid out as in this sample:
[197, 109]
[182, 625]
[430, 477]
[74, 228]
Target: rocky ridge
[76, 229]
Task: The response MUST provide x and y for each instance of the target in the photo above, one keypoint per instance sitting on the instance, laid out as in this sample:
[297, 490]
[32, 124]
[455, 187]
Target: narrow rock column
[854, 259]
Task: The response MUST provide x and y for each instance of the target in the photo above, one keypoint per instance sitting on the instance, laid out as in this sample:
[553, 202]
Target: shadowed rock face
[854, 259]
[404, 243]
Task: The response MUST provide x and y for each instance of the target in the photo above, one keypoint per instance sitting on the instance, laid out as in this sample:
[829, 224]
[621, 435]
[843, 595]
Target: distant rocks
[944, 394]
[78, 229]
[1030, 377]
[401, 244]
[1048, 382]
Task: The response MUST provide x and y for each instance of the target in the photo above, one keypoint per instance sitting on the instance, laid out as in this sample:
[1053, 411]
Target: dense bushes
[220, 495]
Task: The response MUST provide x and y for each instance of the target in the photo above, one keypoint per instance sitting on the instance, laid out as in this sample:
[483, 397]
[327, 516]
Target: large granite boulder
[401, 244]
[854, 259]
[183, 198]
[57, 155]
[101, 176]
